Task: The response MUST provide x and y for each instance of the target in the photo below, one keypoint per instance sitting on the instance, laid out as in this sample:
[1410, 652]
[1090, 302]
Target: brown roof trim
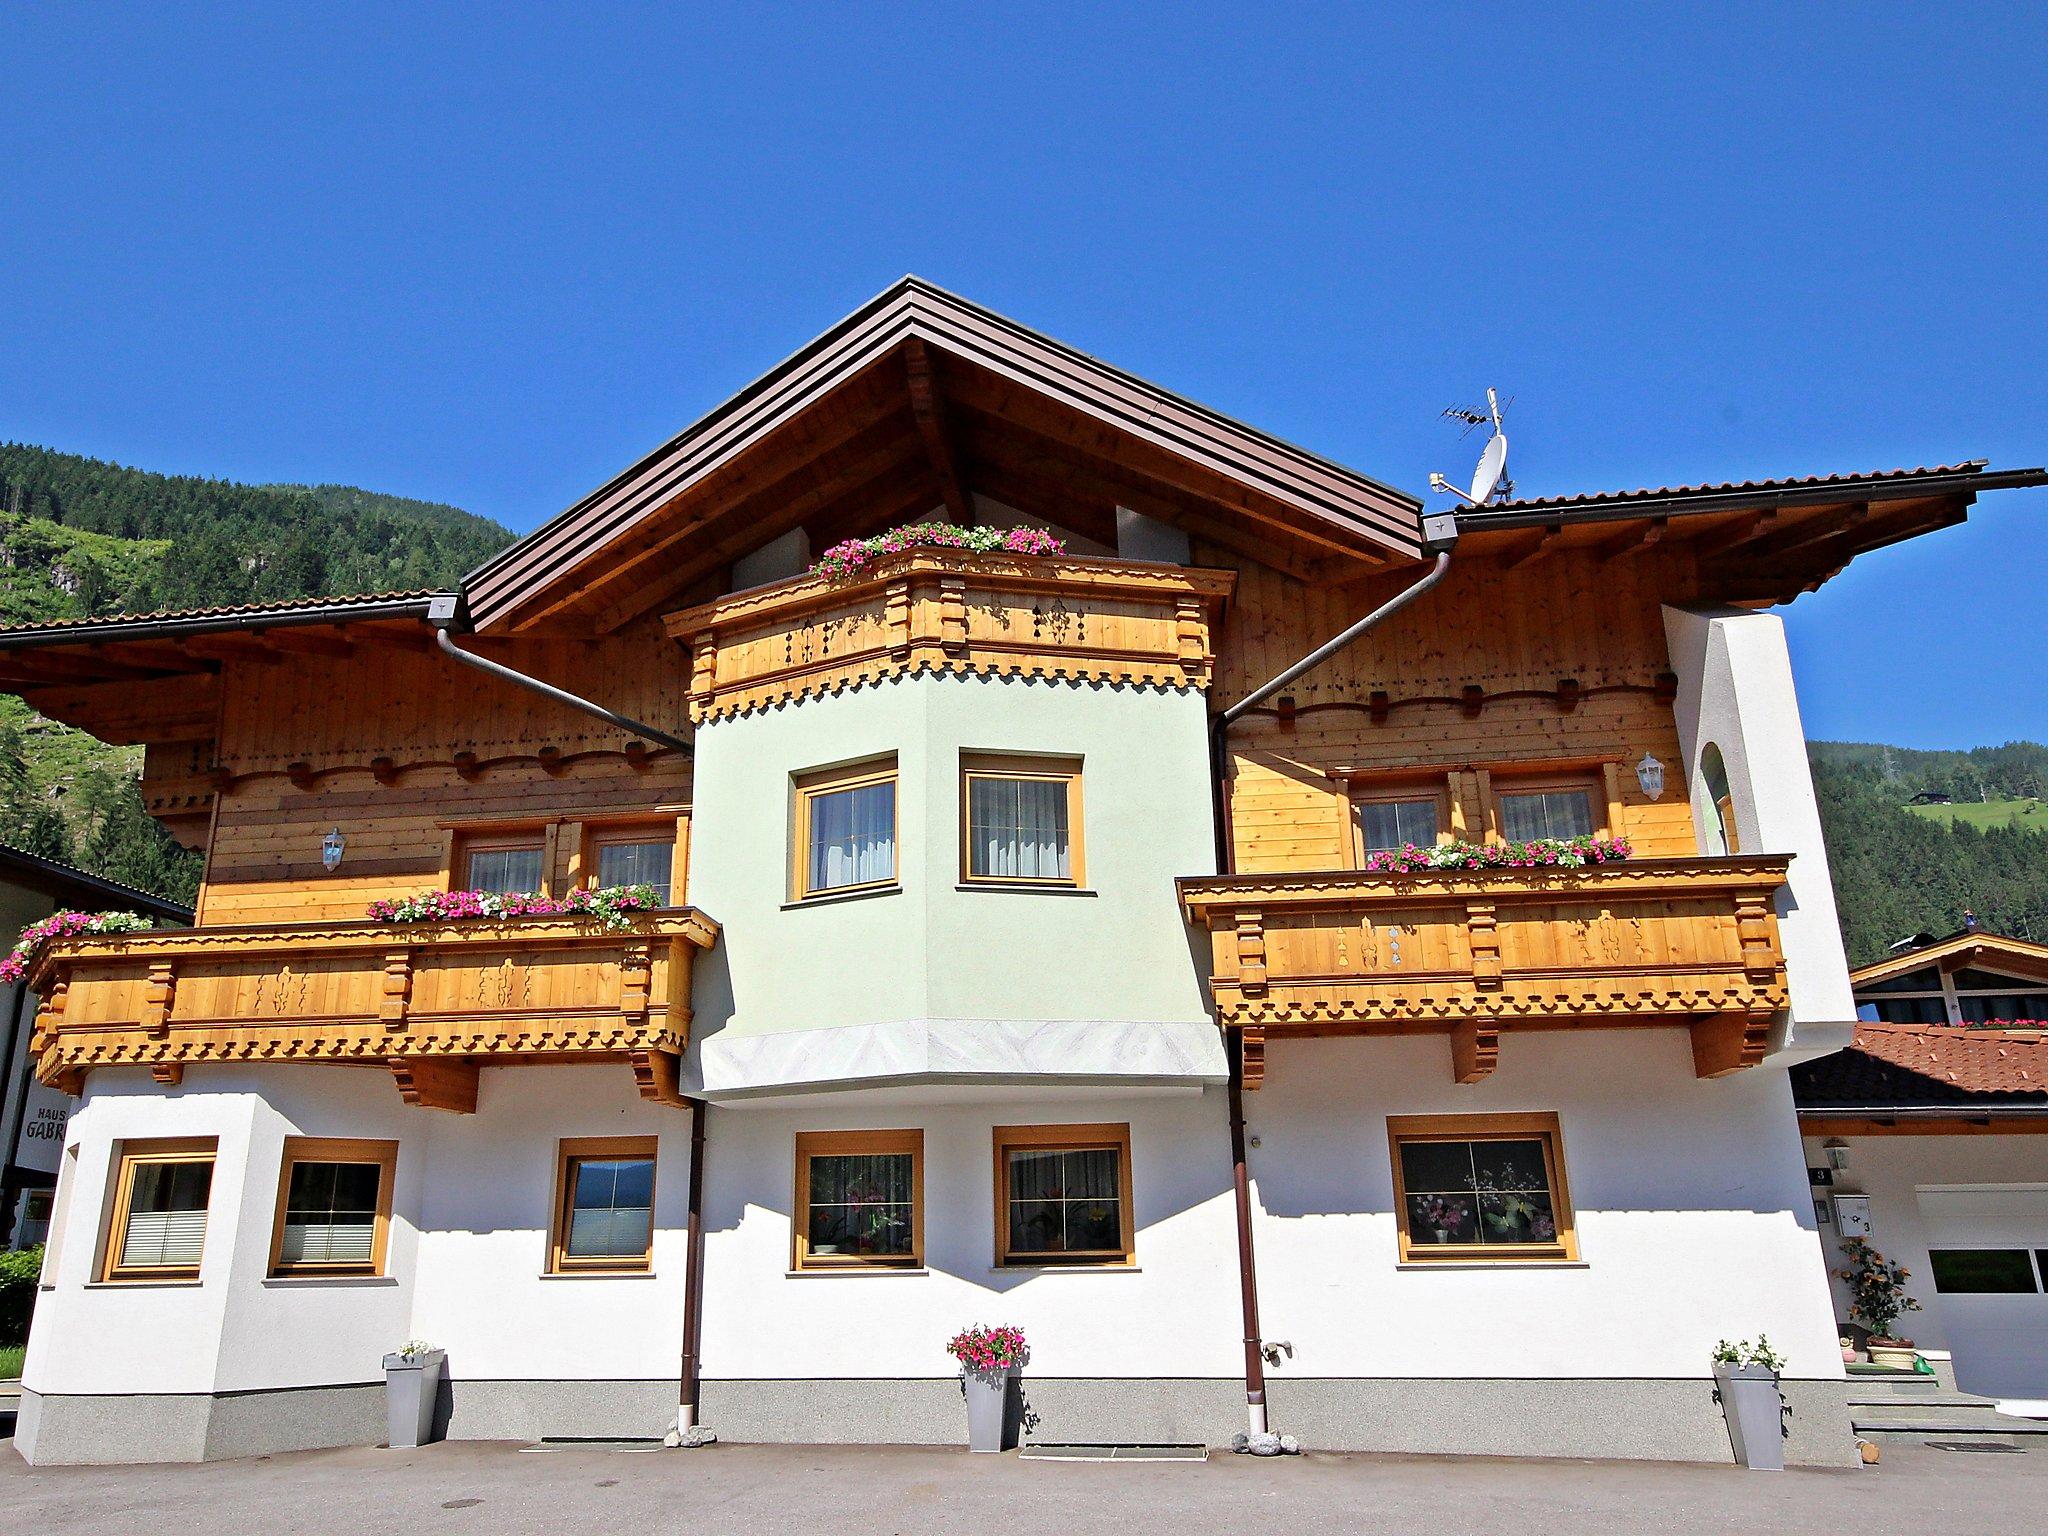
[1967, 479]
[207, 621]
[1343, 499]
[2032, 957]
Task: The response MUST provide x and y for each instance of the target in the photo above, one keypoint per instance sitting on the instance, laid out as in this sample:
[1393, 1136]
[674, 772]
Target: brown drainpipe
[693, 1277]
[1440, 534]
[1247, 1270]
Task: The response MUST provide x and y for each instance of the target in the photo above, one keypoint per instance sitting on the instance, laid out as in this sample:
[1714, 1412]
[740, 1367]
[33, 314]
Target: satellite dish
[1492, 460]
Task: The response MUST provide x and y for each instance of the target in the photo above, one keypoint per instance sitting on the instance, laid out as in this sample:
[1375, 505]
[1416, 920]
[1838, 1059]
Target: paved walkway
[756, 1490]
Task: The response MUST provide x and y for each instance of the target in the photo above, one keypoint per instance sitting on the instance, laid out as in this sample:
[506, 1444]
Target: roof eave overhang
[181, 626]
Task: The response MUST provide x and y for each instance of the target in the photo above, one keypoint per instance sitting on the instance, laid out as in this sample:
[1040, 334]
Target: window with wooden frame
[1063, 1194]
[845, 830]
[507, 862]
[156, 1224]
[604, 1206]
[631, 853]
[1480, 1187]
[1386, 816]
[1020, 820]
[1562, 806]
[333, 1207]
[859, 1200]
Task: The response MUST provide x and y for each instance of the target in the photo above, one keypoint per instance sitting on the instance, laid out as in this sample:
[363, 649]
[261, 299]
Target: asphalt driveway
[451, 1490]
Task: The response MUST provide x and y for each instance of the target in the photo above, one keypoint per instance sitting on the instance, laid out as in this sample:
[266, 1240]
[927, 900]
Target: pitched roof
[1971, 947]
[319, 610]
[67, 882]
[1075, 411]
[1781, 492]
[1927, 1066]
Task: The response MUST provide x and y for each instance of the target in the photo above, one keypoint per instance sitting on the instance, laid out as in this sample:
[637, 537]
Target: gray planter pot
[1754, 1410]
[411, 1387]
[990, 1423]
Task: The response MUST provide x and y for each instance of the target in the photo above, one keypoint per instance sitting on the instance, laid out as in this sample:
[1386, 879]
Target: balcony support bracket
[655, 1074]
[1475, 1047]
[1729, 1042]
[436, 1083]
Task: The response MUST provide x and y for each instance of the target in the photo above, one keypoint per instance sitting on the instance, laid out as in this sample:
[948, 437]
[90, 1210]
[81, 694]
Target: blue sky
[488, 256]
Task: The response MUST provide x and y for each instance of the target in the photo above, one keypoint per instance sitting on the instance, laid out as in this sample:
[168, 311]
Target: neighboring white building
[1026, 951]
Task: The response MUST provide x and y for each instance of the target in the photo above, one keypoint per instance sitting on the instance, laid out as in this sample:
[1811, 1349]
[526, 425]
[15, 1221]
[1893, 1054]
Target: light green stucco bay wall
[933, 950]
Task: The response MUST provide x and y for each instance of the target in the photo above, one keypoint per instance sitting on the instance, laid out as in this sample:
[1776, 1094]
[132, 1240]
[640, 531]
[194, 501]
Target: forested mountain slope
[81, 538]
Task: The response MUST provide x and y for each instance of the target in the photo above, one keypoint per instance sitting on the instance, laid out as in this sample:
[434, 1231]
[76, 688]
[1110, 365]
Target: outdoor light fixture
[1838, 1153]
[1650, 774]
[331, 847]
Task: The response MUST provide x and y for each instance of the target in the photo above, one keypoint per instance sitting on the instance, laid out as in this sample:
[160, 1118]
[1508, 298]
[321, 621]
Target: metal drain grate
[1114, 1453]
[1976, 1445]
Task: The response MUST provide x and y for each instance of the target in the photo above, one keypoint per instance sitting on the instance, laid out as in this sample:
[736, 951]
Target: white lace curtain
[1018, 829]
[853, 836]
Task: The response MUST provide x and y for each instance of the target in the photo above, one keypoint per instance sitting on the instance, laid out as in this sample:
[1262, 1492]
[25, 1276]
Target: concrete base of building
[1599, 1418]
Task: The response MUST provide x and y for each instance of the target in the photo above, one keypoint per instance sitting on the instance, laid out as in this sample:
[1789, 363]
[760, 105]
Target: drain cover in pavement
[1114, 1453]
[1976, 1445]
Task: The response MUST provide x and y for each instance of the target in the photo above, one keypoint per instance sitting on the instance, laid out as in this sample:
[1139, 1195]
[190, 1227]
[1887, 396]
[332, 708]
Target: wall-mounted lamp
[331, 848]
[1838, 1153]
[1650, 774]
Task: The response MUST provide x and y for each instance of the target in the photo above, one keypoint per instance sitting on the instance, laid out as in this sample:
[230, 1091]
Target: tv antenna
[1489, 478]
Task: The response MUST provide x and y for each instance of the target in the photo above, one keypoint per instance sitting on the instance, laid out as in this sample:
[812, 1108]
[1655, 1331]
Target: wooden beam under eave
[1542, 547]
[1638, 538]
[309, 642]
[927, 404]
[234, 648]
[436, 1082]
[1720, 540]
[1729, 1042]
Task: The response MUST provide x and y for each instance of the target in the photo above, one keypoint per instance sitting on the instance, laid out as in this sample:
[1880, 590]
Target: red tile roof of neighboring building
[1926, 1066]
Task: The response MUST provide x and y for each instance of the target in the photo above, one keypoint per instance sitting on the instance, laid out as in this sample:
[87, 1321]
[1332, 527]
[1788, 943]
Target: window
[1721, 836]
[157, 1229]
[1063, 1194]
[333, 1207]
[1385, 824]
[1022, 820]
[1552, 811]
[504, 863]
[845, 830]
[859, 1200]
[633, 856]
[1480, 1187]
[604, 1205]
[1982, 1271]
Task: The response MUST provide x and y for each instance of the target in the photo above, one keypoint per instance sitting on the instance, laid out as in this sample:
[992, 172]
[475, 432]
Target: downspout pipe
[1440, 533]
[444, 612]
[687, 1418]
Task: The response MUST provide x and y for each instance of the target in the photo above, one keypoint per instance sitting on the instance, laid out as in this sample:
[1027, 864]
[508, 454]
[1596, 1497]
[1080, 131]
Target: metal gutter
[1629, 508]
[1926, 1111]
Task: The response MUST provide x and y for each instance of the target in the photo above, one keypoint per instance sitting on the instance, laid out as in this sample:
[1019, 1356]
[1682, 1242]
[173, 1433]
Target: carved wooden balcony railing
[430, 1001]
[1690, 941]
[946, 611]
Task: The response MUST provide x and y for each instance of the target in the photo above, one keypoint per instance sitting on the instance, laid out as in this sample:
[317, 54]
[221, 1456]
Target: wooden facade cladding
[431, 1001]
[1691, 941]
[939, 611]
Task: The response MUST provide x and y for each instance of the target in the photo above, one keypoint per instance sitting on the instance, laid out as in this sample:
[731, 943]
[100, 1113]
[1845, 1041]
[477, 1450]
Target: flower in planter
[64, 925]
[612, 906]
[1877, 1289]
[1536, 853]
[849, 557]
[983, 1349]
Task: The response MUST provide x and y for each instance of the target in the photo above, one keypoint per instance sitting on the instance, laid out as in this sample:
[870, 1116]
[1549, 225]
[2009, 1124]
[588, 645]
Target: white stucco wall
[467, 1251]
[1174, 1314]
[934, 950]
[1693, 1217]
[2000, 1343]
[1735, 691]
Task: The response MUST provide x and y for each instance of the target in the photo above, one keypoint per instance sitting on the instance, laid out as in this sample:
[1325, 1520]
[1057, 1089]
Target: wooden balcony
[1691, 941]
[429, 1001]
[940, 610]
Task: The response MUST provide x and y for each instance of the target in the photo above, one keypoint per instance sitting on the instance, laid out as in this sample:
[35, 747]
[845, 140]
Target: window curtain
[330, 1214]
[1390, 825]
[1018, 829]
[506, 870]
[166, 1215]
[636, 864]
[612, 1210]
[1559, 813]
[853, 836]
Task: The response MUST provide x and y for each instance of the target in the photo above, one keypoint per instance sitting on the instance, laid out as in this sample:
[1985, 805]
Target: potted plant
[412, 1384]
[1746, 1383]
[1877, 1289]
[989, 1360]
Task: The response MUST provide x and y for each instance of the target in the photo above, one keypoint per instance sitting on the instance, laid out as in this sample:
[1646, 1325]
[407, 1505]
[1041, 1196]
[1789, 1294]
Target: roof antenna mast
[1489, 479]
